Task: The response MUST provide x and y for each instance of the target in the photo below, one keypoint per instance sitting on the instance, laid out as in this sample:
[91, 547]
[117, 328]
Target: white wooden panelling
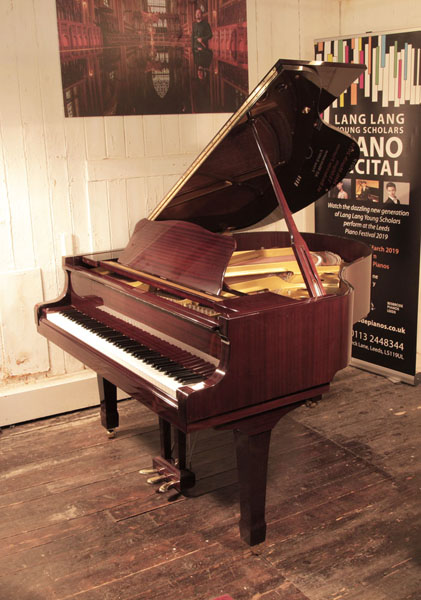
[155, 192]
[152, 134]
[115, 142]
[99, 216]
[136, 201]
[188, 133]
[118, 213]
[359, 16]
[35, 151]
[76, 164]
[252, 43]
[12, 135]
[126, 168]
[170, 134]
[134, 137]
[317, 18]
[79, 201]
[96, 147]
[25, 351]
[6, 241]
[51, 396]
[54, 172]
[265, 13]
[206, 129]
[219, 119]
[285, 32]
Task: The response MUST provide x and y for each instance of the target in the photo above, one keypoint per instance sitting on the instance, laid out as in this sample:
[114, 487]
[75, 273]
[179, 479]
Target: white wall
[74, 185]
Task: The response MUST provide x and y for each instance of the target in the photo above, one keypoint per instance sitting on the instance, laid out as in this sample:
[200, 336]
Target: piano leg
[252, 461]
[178, 455]
[181, 449]
[252, 440]
[165, 438]
[108, 402]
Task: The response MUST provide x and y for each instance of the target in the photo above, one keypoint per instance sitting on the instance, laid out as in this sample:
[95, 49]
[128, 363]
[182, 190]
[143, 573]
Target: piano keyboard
[165, 373]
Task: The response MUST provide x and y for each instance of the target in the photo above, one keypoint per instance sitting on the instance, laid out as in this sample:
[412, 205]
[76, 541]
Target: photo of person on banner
[392, 197]
[342, 190]
[367, 191]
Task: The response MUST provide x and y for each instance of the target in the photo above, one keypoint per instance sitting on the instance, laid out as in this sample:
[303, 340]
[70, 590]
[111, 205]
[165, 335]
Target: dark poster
[143, 57]
[380, 200]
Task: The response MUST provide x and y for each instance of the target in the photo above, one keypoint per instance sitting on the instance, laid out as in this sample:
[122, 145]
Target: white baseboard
[48, 397]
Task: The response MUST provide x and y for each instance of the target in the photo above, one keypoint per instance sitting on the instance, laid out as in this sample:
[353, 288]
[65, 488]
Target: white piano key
[164, 382]
[163, 336]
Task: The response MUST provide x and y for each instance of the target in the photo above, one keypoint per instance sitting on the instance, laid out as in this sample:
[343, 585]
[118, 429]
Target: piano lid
[227, 186]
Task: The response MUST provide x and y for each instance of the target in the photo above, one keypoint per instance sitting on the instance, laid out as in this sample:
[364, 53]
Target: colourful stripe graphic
[393, 73]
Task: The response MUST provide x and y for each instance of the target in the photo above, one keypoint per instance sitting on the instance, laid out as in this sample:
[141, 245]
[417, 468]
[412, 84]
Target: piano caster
[111, 434]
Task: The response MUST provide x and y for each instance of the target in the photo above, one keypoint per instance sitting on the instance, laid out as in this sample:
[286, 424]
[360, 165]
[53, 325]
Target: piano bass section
[212, 327]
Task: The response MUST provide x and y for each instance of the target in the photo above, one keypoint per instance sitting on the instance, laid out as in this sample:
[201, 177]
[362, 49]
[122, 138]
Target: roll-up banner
[379, 202]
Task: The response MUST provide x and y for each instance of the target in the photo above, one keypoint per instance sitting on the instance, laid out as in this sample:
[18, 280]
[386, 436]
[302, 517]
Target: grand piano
[213, 327]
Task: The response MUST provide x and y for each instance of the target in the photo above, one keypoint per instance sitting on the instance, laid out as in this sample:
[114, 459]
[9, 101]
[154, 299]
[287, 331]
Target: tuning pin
[167, 486]
[156, 479]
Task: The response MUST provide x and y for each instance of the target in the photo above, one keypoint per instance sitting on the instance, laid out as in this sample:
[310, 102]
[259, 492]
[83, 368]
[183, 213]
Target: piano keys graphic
[211, 326]
[393, 75]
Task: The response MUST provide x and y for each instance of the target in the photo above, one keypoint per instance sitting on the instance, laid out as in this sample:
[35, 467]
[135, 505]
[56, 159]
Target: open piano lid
[227, 186]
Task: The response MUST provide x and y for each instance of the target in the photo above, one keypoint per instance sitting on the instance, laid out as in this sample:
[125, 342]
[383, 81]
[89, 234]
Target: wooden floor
[77, 520]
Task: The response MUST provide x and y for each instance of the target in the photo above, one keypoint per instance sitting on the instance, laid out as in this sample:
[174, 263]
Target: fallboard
[91, 291]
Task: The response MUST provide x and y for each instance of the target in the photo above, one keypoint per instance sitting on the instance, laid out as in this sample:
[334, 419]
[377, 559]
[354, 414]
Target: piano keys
[166, 367]
[209, 325]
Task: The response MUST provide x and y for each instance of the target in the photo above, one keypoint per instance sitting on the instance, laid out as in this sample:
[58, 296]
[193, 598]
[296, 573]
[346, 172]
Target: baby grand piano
[211, 327]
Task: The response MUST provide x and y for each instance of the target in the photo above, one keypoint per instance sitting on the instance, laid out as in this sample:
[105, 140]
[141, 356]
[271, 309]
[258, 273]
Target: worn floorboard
[77, 520]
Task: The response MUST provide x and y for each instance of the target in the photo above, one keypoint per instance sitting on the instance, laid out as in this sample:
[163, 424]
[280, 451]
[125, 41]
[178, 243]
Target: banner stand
[379, 201]
[394, 376]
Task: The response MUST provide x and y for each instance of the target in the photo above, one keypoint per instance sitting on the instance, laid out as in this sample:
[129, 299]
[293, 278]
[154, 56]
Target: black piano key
[175, 368]
[145, 353]
[151, 360]
[191, 371]
[112, 334]
[109, 335]
[128, 345]
[161, 360]
[172, 369]
[98, 327]
[116, 340]
[147, 358]
[190, 379]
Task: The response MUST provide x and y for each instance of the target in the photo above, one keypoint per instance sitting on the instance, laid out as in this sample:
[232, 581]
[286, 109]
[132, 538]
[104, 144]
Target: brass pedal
[165, 487]
[156, 479]
[150, 471]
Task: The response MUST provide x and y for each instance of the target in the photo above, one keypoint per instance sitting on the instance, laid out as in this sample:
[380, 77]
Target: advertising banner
[380, 200]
